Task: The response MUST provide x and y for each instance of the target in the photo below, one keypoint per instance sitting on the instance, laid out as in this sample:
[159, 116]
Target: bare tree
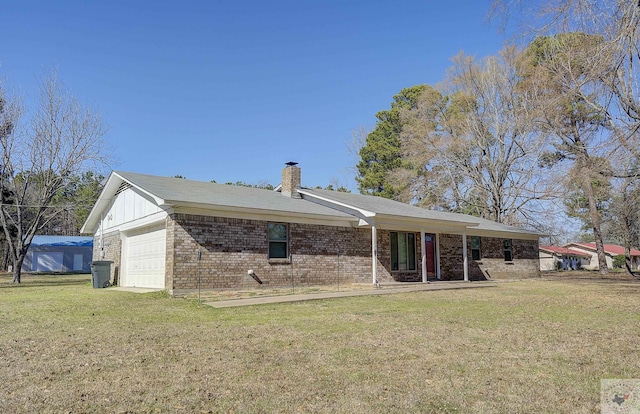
[478, 148]
[357, 141]
[623, 215]
[61, 141]
[354, 144]
[571, 107]
[608, 72]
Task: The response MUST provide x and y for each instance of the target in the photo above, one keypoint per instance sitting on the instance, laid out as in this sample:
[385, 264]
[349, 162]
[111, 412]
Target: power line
[47, 206]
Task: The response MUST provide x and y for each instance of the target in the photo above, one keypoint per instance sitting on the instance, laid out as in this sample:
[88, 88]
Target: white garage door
[145, 258]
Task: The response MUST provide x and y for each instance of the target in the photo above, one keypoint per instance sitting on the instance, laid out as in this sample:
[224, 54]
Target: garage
[144, 258]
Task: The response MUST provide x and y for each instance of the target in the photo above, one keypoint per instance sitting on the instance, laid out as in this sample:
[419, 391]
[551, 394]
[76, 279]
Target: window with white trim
[278, 240]
[403, 251]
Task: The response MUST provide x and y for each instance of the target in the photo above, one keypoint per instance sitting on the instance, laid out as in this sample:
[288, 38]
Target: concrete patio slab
[133, 289]
[263, 300]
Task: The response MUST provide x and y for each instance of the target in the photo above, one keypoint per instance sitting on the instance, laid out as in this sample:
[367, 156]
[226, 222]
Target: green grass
[535, 346]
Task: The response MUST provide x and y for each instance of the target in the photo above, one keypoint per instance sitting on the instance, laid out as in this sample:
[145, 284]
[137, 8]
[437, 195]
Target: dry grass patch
[262, 290]
[533, 346]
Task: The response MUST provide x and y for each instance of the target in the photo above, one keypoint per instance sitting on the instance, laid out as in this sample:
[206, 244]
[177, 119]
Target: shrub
[618, 261]
[558, 265]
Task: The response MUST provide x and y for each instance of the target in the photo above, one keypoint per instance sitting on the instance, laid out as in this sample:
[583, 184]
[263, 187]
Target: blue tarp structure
[62, 241]
[59, 254]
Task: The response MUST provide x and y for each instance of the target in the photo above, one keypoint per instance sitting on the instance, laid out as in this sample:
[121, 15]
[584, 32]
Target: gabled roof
[563, 251]
[357, 209]
[180, 192]
[169, 192]
[610, 249]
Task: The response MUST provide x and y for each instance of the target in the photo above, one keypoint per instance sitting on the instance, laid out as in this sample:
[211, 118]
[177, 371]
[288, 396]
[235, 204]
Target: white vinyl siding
[128, 206]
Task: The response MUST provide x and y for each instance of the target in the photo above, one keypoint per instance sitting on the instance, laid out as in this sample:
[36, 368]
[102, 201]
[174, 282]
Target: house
[181, 235]
[59, 254]
[610, 251]
[562, 258]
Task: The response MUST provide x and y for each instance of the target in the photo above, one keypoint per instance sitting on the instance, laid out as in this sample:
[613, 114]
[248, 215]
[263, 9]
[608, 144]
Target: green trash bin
[101, 273]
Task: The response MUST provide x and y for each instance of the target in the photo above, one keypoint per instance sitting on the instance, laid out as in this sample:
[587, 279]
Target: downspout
[374, 254]
[464, 255]
[423, 246]
[101, 235]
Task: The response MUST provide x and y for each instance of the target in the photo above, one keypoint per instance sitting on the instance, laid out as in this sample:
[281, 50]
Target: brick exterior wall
[451, 263]
[384, 259]
[230, 247]
[321, 255]
[525, 263]
[112, 247]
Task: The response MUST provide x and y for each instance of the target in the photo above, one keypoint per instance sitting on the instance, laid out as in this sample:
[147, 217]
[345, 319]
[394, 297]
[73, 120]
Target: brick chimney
[291, 180]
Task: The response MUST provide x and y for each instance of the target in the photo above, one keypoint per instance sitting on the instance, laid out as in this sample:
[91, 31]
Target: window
[508, 257]
[475, 248]
[278, 241]
[403, 251]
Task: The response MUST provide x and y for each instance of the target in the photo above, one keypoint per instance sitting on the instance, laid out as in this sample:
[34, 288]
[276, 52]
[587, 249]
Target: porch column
[374, 253]
[464, 255]
[423, 245]
[438, 276]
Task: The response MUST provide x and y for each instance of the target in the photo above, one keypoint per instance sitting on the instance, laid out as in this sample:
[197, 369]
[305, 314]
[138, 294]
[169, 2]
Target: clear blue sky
[230, 91]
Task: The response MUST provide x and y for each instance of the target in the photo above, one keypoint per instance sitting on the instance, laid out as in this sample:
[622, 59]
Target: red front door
[430, 247]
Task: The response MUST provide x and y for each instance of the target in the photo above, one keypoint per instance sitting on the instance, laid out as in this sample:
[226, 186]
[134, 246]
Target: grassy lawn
[535, 346]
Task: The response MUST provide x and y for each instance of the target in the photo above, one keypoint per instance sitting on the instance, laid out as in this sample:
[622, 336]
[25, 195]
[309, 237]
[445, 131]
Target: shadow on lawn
[585, 276]
[48, 280]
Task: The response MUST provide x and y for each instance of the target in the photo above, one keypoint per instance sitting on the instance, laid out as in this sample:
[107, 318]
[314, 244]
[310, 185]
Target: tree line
[544, 128]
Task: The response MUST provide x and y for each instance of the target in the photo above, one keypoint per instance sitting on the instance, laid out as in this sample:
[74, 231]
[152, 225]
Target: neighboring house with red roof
[558, 257]
[610, 251]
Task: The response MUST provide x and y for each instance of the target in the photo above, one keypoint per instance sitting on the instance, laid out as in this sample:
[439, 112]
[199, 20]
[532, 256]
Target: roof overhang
[524, 235]
[263, 214]
[393, 222]
[360, 211]
[370, 218]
